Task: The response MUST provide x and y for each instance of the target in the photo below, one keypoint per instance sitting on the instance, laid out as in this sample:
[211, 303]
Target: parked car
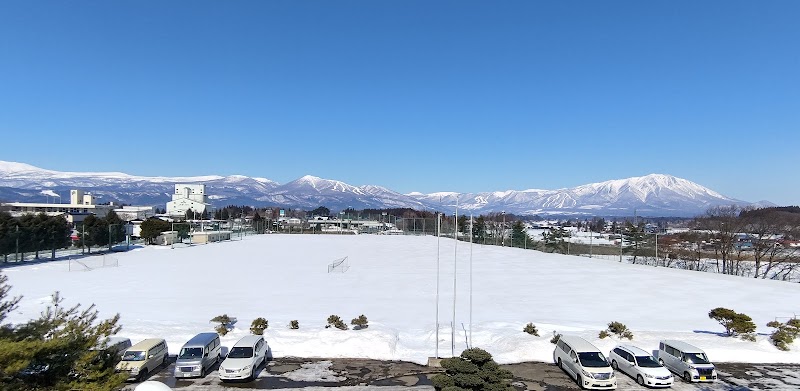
[244, 358]
[197, 355]
[143, 358]
[688, 361]
[584, 362]
[640, 365]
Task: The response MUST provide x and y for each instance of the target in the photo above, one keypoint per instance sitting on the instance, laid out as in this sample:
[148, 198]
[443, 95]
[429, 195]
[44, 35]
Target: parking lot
[293, 372]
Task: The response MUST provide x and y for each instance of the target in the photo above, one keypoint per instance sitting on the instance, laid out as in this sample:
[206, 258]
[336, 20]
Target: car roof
[579, 344]
[635, 350]
[682, 346]
[201, 339]
[147, 344]
[249, 340]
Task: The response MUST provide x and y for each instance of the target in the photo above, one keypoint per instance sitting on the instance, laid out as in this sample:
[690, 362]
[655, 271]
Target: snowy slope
[172, 293]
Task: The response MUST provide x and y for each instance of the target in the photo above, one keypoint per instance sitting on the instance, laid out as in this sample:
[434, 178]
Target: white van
[584, 362]
[688, 361]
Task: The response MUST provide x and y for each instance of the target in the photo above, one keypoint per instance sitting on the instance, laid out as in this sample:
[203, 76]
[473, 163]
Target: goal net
[90, 263]
[339, 266]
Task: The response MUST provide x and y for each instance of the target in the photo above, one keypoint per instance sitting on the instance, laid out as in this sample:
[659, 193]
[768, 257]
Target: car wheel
[202, 371]
[143, 375]
[165, 361]
[579, 379]
[614, 365]
[687, 377]
[559, 363]
[640, 380]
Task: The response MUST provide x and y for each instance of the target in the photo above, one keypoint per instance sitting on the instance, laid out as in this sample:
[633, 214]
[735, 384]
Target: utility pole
[16, 255]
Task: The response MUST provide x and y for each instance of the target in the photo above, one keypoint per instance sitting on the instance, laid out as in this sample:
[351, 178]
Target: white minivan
[688, 361]
[245, 357]
[640, 365]
[584, 362]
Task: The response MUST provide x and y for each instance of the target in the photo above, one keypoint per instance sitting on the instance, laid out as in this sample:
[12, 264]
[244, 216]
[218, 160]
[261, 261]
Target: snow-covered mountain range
[650, 195]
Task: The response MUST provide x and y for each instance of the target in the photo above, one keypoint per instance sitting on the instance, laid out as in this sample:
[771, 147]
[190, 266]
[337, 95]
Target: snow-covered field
[173, 293]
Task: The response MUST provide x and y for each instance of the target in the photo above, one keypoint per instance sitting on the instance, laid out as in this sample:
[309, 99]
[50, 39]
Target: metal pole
[656, 264]
[591, 234]
[438, 241]
[470, 280]
[455, 267]
[620, 245]
[16, 254]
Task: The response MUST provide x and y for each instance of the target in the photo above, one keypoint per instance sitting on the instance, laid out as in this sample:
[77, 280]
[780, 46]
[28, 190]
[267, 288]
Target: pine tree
[58, 346]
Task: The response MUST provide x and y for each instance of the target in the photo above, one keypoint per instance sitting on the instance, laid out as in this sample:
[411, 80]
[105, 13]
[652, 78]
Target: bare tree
[724, 224]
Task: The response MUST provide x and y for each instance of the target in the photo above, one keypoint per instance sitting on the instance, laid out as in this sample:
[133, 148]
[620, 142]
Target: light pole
[503, 228]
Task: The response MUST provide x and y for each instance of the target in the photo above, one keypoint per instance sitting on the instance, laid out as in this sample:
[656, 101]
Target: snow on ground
[172, 293]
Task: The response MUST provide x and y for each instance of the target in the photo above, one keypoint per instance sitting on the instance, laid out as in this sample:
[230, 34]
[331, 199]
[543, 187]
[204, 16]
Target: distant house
[79, 207]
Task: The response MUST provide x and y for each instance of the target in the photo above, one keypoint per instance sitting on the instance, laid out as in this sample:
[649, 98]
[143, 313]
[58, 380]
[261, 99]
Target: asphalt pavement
[365, 374]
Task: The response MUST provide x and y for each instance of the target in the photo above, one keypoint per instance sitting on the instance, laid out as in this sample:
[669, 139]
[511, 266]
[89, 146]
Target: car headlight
[134, 370]
[587, 374]
[648, 375]
[692, 367]
[246, 367]
[197, 367]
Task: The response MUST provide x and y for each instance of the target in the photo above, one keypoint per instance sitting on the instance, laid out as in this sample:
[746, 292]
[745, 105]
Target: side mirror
[205, 354]
[150, 356]
[576, 360]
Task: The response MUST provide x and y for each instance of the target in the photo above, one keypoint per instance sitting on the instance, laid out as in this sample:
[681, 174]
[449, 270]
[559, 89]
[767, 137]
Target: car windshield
[133, 356]
[647, 362]
[191, 353]
[592, 359]
[695, 358]
[240, 352]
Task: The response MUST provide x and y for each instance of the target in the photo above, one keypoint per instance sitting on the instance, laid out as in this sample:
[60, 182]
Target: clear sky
[411, 95]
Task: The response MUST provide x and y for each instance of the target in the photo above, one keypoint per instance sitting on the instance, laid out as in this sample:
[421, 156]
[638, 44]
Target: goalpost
[90, 263]
[339, 266]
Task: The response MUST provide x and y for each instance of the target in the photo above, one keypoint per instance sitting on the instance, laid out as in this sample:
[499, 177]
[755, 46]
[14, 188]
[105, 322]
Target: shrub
[530, 328]
[618, 329]
[336, 321]
[360, 322]
[258, 326]
[473, 370]
[225, 323]
[555, 338]
[785, 333]
[294, 325]
[733, 322]
[749, 337]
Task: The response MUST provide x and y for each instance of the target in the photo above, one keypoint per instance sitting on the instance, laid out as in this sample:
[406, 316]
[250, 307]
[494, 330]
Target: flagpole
[455, 266]
[470, 280]
[438, 240]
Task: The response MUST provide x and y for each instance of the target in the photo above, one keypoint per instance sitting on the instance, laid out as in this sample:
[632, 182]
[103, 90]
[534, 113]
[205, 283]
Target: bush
[294, 325]
[336, 321]
[733, 322]
[531, 329]
[749, 337]
[555, 338]
[618, 329]
[225, 323]
[360, 322]
[785, 333]
[473, 370]
[258, 326]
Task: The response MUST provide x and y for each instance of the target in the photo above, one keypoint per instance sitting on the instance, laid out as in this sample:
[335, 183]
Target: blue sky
[412, 95]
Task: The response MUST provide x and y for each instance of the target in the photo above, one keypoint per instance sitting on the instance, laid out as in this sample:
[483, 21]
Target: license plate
[702, 378]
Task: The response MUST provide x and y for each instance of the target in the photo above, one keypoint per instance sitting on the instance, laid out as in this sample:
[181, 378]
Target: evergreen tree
[152, 227]
[59, 344]
[635, 238]
[554, 240]
[518, 234]
[116, 227]
[479, 229]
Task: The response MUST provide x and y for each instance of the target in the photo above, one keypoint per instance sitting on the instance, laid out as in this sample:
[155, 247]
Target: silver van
[688, 361]
[197, 355]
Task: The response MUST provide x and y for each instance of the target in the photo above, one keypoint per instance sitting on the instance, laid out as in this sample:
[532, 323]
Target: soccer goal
[86, 264]
[339, 266]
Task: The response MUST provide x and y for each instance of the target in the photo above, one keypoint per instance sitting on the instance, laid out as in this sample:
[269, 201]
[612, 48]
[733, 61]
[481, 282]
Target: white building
[80, 205]
[186, 197]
